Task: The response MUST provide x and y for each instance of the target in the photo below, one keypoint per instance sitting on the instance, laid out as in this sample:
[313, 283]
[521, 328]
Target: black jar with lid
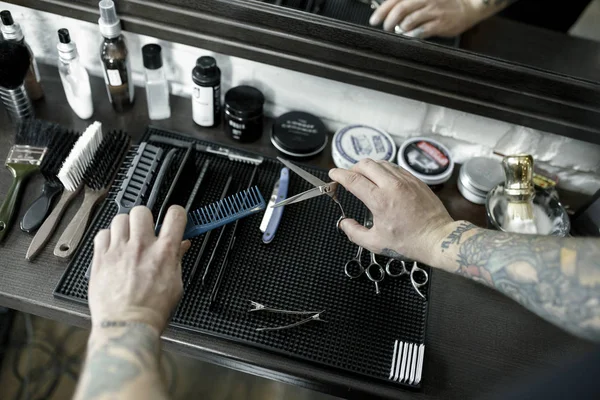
[244, 113]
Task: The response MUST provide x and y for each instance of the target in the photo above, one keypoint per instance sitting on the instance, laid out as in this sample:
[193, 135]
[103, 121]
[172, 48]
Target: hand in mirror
[426, 18]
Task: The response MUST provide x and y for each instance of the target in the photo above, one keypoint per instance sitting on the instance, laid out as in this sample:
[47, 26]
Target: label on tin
[356, 142]
[426, 158]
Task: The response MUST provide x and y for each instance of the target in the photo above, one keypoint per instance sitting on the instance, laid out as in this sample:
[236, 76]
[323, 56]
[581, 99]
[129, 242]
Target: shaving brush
[519, 191]
[14, 65]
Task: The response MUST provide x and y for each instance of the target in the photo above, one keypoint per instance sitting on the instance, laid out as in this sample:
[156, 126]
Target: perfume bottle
[74, 76]
[115, 58]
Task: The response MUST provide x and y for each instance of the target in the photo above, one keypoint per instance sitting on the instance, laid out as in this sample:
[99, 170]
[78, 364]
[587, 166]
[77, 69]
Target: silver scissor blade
[309, 194]
[302, 173]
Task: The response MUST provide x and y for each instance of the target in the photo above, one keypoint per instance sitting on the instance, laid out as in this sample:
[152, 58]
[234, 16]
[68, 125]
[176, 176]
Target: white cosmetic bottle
[74, 77]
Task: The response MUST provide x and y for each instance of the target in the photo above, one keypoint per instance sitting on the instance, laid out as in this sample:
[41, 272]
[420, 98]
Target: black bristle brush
[15, 61]
[60, 146]
[24, 159]
[98, 178]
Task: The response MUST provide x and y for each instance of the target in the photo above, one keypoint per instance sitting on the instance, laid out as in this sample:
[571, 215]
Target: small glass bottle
[157, 87]
[115, 59]
[74, 77]
[12, 31]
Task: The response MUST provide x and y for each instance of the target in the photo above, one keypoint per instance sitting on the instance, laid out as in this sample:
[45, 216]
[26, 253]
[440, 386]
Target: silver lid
[480, 175]
[67, 51]
[12, 32]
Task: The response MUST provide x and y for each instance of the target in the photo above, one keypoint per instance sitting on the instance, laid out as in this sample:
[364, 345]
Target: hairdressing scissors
[403, 271]
[374, 270]
[320, 188]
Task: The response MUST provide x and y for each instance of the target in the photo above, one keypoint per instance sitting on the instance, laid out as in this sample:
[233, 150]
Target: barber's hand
[136, 277]
[408, 219]
[425, 18]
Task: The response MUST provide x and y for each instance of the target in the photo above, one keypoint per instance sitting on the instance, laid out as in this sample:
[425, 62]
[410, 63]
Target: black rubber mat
[302, 269]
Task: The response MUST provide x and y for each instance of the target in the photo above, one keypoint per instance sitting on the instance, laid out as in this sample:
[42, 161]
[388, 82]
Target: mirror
[556, 36]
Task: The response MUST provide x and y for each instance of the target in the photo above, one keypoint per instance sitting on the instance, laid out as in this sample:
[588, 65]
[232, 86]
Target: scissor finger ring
[353, 269]
[416, 284]
[337, 225]
[389, 268]
[378, 277]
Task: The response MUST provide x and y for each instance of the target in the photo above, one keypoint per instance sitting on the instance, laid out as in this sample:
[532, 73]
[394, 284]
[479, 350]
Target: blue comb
[222, 212]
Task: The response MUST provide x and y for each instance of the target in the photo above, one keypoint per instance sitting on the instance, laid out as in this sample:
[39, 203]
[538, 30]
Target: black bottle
[206, 96]
[115, 59]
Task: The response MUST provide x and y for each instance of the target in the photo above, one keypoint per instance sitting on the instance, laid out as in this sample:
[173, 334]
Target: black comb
[134, 187]
[179, 189]
[98, 177]
[59, 148]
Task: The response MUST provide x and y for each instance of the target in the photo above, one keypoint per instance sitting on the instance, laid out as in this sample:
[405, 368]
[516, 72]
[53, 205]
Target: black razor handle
[40, 208]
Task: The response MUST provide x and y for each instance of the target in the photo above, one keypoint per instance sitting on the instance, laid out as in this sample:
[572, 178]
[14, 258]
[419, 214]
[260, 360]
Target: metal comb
[138, 177]
[222, 212]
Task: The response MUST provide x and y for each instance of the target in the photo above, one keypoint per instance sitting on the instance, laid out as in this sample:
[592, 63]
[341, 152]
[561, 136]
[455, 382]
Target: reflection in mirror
[548, 34]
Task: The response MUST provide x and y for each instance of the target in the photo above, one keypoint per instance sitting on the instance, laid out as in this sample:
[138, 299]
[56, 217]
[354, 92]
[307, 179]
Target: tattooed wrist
[122, 359]
[455, 236]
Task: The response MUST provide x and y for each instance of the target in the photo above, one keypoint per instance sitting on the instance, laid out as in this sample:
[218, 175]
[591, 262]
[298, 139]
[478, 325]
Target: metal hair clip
[314, 316]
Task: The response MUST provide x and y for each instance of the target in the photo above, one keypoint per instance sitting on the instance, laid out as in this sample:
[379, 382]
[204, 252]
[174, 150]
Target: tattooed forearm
[456, 234]
[498, 3]
[556, 278]
[122, 362]
[392, 254]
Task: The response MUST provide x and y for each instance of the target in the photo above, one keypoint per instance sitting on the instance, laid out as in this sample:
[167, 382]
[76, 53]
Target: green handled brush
[23, 160]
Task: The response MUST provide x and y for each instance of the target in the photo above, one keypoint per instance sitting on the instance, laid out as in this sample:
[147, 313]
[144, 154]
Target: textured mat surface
[302, 269]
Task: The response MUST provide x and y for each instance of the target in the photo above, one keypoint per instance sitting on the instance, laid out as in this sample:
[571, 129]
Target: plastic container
[427, 159]
[206, 96]
[353, 143]
[244, 113]
[299, 134]
[157, 87]
[478, 176]
[74, 76]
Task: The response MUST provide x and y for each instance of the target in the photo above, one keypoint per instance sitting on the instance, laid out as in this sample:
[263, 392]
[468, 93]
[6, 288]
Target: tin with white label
[427, 159]
[355, 142]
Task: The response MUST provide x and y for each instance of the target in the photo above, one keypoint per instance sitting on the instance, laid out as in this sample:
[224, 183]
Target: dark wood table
[478, 341]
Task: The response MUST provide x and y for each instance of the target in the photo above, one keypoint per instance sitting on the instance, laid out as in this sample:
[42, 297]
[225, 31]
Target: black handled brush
[62, 141]
[24, 159]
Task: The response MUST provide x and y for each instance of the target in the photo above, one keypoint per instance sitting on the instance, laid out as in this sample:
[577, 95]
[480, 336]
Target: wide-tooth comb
[24, 159]
[59, 148]
[71, 176]
[139, 175]
[98, 178]
[222, 212]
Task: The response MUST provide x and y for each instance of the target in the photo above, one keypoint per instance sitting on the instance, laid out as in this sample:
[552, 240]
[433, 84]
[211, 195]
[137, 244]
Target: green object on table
[21, 169]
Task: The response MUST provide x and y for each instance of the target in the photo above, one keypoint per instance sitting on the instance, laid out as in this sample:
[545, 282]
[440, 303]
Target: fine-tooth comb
[139, 175]
[223, 212]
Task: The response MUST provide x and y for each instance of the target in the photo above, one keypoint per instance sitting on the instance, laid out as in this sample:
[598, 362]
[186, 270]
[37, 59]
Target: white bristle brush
[71, 176]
